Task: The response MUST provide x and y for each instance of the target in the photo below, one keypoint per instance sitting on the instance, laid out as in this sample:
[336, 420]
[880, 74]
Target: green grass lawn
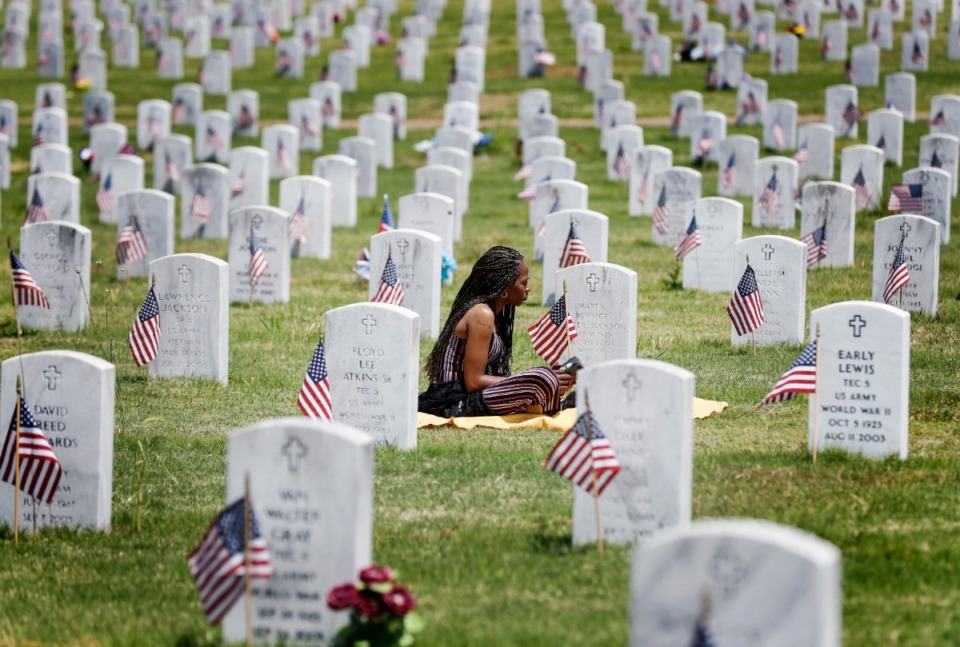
[470, 520]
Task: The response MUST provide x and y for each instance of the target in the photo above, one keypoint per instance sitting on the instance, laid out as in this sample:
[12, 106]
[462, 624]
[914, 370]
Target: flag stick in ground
[593, 468]
[247, 560]
[567, 307]
[16, 469]
[903, 237]
[13, 297]
[816, 377]
[753, 335]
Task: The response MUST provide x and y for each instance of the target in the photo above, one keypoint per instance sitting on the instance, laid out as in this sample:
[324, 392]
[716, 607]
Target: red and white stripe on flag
[40, 470]
[551, 333]
[582, 453]
[144, 339]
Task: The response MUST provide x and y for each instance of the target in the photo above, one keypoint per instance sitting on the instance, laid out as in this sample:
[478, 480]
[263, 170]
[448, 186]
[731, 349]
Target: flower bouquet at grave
[381, 610]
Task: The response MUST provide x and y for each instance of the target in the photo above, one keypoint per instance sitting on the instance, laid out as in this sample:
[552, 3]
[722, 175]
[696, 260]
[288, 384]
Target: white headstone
[417, 257]
[739, 580]
[592, 229]
[311, 197]
[921, 249]
[319, 530]
[71, 395]
[271, 227]
[341, 172]
[779, 264]
[602, 302]
[675, 188]
[720, 223]
[192, 294]
[863, 379]
[363, 151]
[831, 204]
[249, 177]
[282, 143]
[773, 193]
[936, 196]
[373, 352]
[204, 189]
[429, 212]
[57, 255]
[153, 211]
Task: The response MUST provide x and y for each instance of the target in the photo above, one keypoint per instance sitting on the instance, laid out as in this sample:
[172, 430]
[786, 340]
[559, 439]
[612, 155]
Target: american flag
[144, 340]
[398, 58]
[778, 134]
[704, 145]
[314, 398]
[746, 308]
[153, 127]
[803, 153]
[36, 212]
[328, 108]
[214, 141]
[750, 106]
[131, 243]
[308, 127]
[882, 145]
[769, 200]
[816, 242]
[268, 30]
[574, 253]
[390, 290]
[675, 119]
[4, 126]
[179, 111]
[552, 332]
[239, 186]
[298, 223]
[528, 193]
[935, 160]
[825, 47]
[938, 119]
[916, 56]
[728, 175]
[801, 377]
[218, 564]
[200, 207]
[284, 62]
[26, 292]
[875, 30]
[105, 195]
[702, 635]
[863, 193]
[690, 242]
[644, 186]
[39, 138]
[656, 62]
[762, 39]
[621, 163]
[899, 274]
[852, 114]
[386, 218]
[906, 197]
[361, 266]
[173, 173]
[258, 260]
[777, 59]
[584, 453]
[40, 471]
[523, 173]
[283, 158]
[660, 221]
[545, 58]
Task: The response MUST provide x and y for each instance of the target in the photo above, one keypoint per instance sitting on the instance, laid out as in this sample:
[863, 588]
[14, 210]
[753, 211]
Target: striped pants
[533, 387]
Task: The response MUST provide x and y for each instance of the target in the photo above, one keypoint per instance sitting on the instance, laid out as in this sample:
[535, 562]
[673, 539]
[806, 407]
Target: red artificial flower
[400, 600]
[374, 574]
[369, 604]
[343, 597]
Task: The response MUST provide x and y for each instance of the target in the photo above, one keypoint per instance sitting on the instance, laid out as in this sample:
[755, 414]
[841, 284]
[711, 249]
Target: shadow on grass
[549, 542]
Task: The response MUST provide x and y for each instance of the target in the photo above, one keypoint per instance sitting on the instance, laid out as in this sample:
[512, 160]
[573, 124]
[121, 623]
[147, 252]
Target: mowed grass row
[470, 519]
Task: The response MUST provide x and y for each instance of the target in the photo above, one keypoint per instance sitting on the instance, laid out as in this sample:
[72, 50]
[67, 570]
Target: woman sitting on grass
[469, 366]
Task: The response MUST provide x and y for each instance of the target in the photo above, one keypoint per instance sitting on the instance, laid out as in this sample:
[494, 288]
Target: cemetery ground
[471, 520]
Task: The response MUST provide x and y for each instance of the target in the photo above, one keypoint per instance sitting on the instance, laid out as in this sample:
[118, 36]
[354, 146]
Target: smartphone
[571, 366]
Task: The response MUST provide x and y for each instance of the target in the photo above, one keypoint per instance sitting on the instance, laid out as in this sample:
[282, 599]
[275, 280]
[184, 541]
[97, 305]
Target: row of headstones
[650, 502]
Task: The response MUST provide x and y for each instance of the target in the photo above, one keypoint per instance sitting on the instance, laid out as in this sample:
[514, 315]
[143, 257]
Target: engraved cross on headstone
[592, 281]
[767, 251]
[905, 228]
[184, 273]
[727, 571]
[51, 375]
[52, 237]
[256, 221]
[632, 385]
[294, 450]
[858, 324]
[368, 323]
[402, 245]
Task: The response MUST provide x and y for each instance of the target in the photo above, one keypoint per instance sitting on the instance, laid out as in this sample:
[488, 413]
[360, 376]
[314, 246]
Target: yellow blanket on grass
[559, 422]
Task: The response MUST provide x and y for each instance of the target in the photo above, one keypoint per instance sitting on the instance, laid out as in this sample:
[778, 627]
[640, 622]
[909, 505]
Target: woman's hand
[566, 380]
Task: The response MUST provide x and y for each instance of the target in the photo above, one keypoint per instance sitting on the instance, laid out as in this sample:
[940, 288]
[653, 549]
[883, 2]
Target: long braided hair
[493, 273]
